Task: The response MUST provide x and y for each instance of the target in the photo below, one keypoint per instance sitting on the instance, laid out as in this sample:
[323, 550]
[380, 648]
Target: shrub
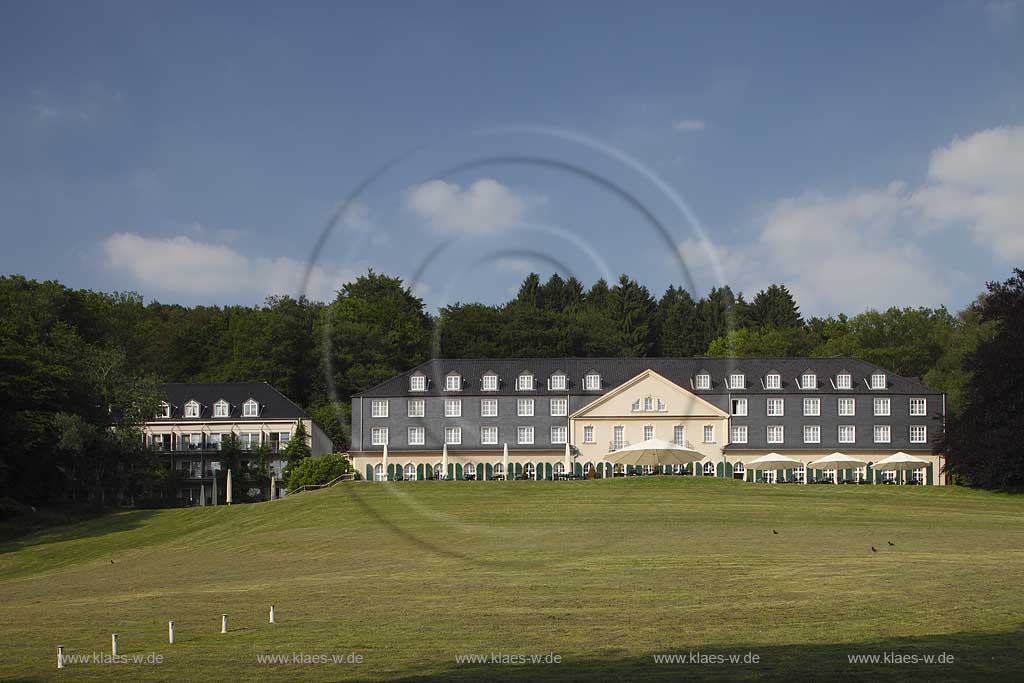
[316, 471]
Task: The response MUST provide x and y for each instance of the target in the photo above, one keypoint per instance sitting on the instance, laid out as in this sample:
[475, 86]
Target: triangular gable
[680, 401]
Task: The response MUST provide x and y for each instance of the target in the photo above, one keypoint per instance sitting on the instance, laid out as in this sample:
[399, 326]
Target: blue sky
[865, 154]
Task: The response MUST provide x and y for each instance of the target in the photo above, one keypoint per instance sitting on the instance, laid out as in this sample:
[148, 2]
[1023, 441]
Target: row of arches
[529, 470]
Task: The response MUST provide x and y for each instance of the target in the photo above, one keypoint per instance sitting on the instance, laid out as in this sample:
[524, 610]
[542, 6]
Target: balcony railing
[616, 445]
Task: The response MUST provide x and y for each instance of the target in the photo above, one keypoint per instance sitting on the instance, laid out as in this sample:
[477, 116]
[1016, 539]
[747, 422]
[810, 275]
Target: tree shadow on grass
[15, 539]
[976, 656]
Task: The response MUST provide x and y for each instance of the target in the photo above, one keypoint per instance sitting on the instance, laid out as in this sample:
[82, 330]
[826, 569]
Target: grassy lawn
[606, 574]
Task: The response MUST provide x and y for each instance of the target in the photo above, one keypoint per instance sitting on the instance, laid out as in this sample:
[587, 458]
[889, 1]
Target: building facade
[194, 418]
[733, 410]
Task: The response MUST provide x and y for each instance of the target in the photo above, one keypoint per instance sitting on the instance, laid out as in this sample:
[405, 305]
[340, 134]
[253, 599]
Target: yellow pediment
[677, 401]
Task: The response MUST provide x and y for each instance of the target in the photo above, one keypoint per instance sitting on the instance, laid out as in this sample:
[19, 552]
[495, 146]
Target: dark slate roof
[615, 371]
[273, 404]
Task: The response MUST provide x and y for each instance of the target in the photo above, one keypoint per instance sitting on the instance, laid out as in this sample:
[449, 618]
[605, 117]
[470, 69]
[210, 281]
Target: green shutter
[599, 470]
[489, 472]
[480, 471]
[390, 474]
[369, 473]
[728, 470]
[578, 469]
[929, 475]
[458, 471]
[451, 471]
[720, 468]
[519, 469]
[419, 472]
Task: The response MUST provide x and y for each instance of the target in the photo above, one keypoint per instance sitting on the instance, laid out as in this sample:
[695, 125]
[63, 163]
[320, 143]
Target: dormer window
[592, 382]
[878, 380]
[418, 383]
[773, 380]
[489, 382]
[164, 409]
[703, 381]
[525, 382]
[221, 408]
[192, 409]
[844, 381]
[809, 381]
[648, 403]
[250, 408]
[737, 381]
[453, 382]
[557, 382]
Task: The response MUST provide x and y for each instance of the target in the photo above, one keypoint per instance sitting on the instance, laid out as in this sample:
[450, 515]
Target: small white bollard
[223, 623]
[272, 615]
[170, 632]
[113, 644]
[60, 656]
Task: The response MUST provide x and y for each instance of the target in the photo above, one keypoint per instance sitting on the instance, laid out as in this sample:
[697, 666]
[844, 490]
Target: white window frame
[773, 381]
[592, 382]
[679, 435]
[812, 433]
[563, 409]
[453, 407]
[737, 381]
[702, 381]
[418, 383]
[660, 406]
[738, 406]
[852, 434]
[378, 436]
[709, 433]
[709, 469]
[646, 429]
[453, 382]
[489, 382]
[251, 408]
[846, 401]
[419, 410]
[469, 471]
[881, 406]
[812, 384]
[844, 380]
[923, 407]
[193, 409]
[416, 436]
[781, 405]
[557, 382]
[453, 435]
[880, 430]
[559, 434]
[379, 408]
[771, 431]
[588, 434]
[648, 404]
[815, 411]
[221, 409]
[524, 435]
[524, 407]
[409, 472]
[738, 434]
[636, 406]
[922, 434]
[488, 407]
[378, 472]
[489, 435]
[618, 436]
[165, 410]
[525, 382]
[878, 380]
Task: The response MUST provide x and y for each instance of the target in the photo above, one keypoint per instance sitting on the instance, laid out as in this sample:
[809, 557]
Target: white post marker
[170, 632]
[113, 644]
[223, 623]
[272, 615]
[60, 656]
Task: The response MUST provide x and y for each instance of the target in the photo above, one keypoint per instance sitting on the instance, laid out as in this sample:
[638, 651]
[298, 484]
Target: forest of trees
[72, 362]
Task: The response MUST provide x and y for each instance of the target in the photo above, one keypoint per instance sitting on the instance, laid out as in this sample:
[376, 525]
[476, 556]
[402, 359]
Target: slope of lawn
[605, 574]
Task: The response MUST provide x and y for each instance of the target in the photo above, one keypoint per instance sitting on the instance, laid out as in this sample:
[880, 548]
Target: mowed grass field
[606, 574]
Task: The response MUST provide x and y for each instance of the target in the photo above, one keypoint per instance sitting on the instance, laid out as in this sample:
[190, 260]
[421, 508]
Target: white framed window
[809, 381]
[709, 433]
[588, 434]
[379, 408]
[847, 407]
[739, 471]
[660, 407]
[648, 404]
[250, 408]
[918, 434]
[414, 407]
[844, 381]
[499, 469]
[417, 436]
[378, 473]
[559, 407]
[847, 434]
[812, 407]
[882, 434]
[592, 382]
[776, 433]
[636, 406]
[773, 381]
[738, 434]
[488, 407]
[453, 407]
[221, 409]
[213, 440]
[409, 472]
[737, 381]
[878, 380]
[530, 471]
[881, 406]
[524, 407]
[812, 434]
[453, 383]
[249, 440]
[192, 409]
[453, 436]
[618, 436]
[889, 475]
[524, 435]
[489, 436]
[709, 469]
[559, 434]
[379, 436]
[559, 469]
[739, 406]
[524, 382]
[918, 407]
[679, 435]
[557, 382]
[703, 381]
[418, 383]
[469, 471]
[776, 407]
[648, 432]
[768, 476]
[489, 382]
[438, 471]
[164, 410]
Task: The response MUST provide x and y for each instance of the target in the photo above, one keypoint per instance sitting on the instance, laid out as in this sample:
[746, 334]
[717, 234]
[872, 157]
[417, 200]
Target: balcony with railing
[616, 444]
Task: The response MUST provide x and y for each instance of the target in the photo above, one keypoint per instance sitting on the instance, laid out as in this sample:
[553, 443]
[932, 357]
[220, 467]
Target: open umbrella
[837, 461]
[773, 461]
[654, 452]
[444, 462]
[900, 461]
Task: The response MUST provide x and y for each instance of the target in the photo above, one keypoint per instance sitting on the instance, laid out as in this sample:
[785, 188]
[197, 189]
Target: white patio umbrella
[504, 461]
[773, 461]
[900, 461]
[837, 461]
[444, 462]
[568, 460]
[228, 487]
[654, 452]
[384, 462]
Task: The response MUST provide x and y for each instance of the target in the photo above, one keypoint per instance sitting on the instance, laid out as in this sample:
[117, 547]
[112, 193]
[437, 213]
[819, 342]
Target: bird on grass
[111, 562]
[874, 549]
[890, 543]
[775, 532]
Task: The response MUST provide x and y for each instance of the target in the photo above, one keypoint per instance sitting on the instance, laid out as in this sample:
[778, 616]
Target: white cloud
[689, 124]
[213, 272]
[513, 265]
[355, 215]
[484, 207]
